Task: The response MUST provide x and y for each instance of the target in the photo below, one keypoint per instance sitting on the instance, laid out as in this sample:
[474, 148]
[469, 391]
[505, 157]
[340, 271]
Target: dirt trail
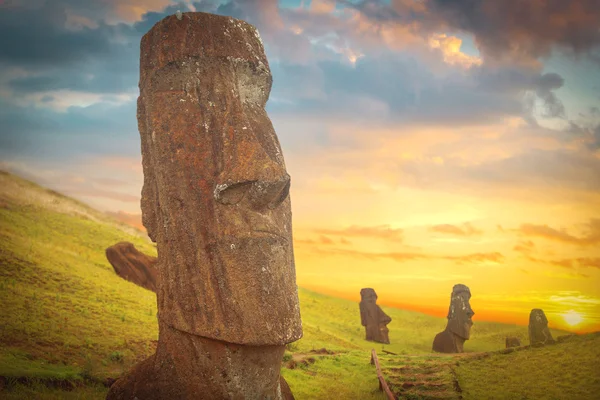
[424, 377]
[307, 358]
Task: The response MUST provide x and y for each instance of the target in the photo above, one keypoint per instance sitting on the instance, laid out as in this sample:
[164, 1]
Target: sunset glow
[573, 318]
[429, 143]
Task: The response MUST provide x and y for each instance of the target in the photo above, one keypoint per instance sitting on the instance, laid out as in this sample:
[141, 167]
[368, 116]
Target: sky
[430, 142]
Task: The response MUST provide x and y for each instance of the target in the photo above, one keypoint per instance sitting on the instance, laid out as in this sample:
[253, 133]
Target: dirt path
[307, 358]
[425, 377]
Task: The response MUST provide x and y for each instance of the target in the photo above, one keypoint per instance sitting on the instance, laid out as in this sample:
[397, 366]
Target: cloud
[466, 230]
[524, 247]
[384, 232]
[522, 30]
[573, 263]
[478, 258]
[592, 236]
[373, 256]
[491, 258]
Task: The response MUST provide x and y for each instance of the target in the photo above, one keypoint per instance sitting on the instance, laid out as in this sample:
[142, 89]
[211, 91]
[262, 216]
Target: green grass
[569, 370]
[40, 391]
[67, 317]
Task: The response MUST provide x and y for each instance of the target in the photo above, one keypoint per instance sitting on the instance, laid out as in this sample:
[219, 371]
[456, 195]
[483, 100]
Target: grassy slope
[66, 315]
[567, 370]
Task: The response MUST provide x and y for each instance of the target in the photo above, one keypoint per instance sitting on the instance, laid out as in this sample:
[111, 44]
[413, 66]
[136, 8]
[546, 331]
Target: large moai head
[368, 299]
[537, 317]
[216, 192]
[460, 313]
[368, 295]
[538, 328]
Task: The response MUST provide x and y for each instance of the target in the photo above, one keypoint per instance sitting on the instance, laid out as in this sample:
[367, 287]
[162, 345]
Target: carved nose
[258, 194]
[269, 194]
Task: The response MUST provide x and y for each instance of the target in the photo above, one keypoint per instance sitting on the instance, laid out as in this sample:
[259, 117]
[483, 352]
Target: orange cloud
[524, 246]
[478, 258]
[449, 46]
[384, 232]
[466, 230]
[395, 256]
[544, 231]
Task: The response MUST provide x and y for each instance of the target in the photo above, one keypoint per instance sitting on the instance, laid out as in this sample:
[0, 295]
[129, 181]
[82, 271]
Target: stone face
[133, 265]
[512, 341]
[216, 201]
[539, 333]
[373, 318]
[458, 328]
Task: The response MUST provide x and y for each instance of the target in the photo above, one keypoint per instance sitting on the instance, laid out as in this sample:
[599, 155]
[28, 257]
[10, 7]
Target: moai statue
[216, 202]
[373, 318]
[539, 334]
[512, 341]
[132, 265]
[458, 328]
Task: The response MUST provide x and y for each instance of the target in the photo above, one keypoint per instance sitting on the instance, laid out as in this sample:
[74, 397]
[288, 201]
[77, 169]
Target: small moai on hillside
[458, 328]
[373, 318]
[512, 341]
[132, 265]
[539, 334]
[216, 202]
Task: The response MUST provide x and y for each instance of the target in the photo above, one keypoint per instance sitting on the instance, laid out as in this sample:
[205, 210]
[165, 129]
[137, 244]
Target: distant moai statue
[512, 341]
[539, 334]
[216, 201]
[458, 328]
[373, 318]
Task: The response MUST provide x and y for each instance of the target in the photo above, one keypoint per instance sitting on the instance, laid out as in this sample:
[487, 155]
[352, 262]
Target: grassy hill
[69, 322]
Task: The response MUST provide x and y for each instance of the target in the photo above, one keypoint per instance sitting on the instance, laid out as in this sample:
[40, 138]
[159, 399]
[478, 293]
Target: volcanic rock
[216, 201]
[512, 341]
[458, 328]
[539, 334]
[133, 265]
[373, 318]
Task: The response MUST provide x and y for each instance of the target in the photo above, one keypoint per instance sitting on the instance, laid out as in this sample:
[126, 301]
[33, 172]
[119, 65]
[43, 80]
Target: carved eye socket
[258, 194]
[232, 194]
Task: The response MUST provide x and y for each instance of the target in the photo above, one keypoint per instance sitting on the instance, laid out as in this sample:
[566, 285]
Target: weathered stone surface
[458, 328]
[373, 318]
[133, 265]
[512, 341]
[216, 201]
[539, 334]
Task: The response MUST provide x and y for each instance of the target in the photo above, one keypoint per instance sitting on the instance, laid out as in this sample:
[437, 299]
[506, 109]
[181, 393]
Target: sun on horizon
[572, 318]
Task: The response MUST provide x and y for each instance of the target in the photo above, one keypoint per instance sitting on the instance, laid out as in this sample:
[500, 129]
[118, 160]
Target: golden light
[572, 317]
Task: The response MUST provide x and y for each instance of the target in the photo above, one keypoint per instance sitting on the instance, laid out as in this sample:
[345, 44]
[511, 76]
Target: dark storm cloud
[103, 59]
[37, 38]
[508, 29]
[523, 28]
[514, 80]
